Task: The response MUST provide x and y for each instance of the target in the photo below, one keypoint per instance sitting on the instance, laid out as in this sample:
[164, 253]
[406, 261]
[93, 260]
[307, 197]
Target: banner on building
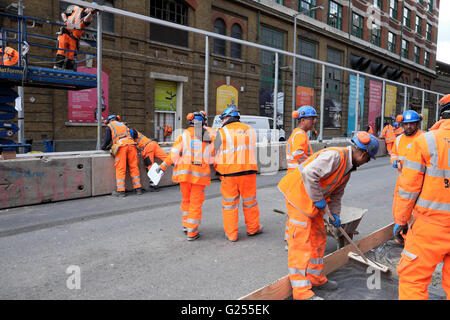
[391, 101]
[304, 96]
[375, 95]
[332, 113]
[82, 104]
[266, 105]
[352, 105]
[165, 96]
[227, 96]
[280, 109]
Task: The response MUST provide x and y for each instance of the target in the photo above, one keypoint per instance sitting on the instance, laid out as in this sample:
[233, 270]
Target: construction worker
[235, 163]
[124, 150]
[424, 193]
[298, 148]
[318, 181]
[190, 153]
[10, 57]
[398, 129]
[388, 135]
[149, 149]
[75, 19]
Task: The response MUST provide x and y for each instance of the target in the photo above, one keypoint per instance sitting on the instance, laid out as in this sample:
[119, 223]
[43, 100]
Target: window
[306, 69]
[407, 17]
[378, 3]
[405, 49]
[426, 59]
[393, 9]
[335, 15]
[418, 25]
[107, 18]
[416, 54]
[358, 26]
[170, 10]
[236, 48]
[305, 5]
[430, 5]
[392, 42]
[219, 44]
[428, 31]
[376, 35]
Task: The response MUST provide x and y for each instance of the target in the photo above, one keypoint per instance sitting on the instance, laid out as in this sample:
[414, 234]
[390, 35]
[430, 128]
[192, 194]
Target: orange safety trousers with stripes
[152, 150]
[127, 154]
[233, 188]
[191, 206]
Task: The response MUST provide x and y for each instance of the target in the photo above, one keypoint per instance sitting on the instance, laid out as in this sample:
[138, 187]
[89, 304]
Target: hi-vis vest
[424, 186]
[10, 57]
[191, 158]
[74, 22]
[296, 154]
[142, 141]
[388, 134]
[238, 150]
[120, 134]
[401, 146]
[293, 188]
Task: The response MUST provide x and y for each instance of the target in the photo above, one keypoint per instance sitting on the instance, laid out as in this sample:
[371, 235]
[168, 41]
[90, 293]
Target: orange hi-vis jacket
[142, 141]
[388, 134]
[120, 133]
[10, 57]
[237, 152]
[401, 146]
[75, 23]
[191, 157]
[398, 131]
[424, 185]
[294, 190]
[298, 148]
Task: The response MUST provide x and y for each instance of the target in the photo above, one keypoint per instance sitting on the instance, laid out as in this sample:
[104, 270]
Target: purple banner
[375, 93]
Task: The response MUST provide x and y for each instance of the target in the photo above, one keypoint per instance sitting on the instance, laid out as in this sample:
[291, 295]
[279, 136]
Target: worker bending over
[191, 155]
[10, 57]
[318, 181]
[235, 163]
[388, 134]
[124, 151]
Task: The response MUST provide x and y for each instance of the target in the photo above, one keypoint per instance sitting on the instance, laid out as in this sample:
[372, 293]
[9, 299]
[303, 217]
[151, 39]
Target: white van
[262, 126]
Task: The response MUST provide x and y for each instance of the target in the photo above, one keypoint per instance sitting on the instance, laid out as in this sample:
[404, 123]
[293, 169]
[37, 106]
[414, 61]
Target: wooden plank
[281, 289]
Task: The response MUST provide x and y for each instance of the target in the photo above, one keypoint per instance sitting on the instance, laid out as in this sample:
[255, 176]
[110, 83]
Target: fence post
[206, 85]
[275, 93]
[322, 103]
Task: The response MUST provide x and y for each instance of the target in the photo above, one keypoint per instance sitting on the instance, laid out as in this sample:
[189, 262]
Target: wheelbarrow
[350, 219]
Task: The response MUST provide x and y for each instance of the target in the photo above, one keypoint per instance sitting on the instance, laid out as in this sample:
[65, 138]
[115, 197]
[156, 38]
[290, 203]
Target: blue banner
[352, 104]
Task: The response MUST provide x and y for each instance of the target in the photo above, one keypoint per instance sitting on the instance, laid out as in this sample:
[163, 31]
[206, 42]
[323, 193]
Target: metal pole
[206, 85]
[356, 102]
[437, 108]
[405, 99]
[20, 91]
[294, 62]
[99, 78]
[383, 101]
[275, 93]
[322, 104]
[423, 109]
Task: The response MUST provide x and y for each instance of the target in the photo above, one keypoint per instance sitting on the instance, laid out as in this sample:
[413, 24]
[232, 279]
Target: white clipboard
[154, 176]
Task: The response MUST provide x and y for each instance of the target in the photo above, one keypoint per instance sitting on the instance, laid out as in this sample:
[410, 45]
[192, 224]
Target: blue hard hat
[230, 112]
[111, 117]
[303, 112]
[133, 133]
[198, 115]
[411, 116]
[396, 124]
[366, 142]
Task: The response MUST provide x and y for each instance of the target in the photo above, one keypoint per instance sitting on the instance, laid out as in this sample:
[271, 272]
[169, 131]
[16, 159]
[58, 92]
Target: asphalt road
[134, 248]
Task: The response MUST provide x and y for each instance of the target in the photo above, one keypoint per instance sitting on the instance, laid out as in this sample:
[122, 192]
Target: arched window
[236, 32]
[219, 44]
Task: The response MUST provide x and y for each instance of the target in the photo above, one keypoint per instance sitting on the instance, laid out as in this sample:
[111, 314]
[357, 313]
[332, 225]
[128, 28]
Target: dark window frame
[392, 45]
[335, 19]
[220, 45]
[357, 30]
[236, 48]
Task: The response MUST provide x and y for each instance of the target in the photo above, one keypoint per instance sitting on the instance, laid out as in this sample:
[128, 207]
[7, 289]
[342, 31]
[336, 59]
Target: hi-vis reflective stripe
[249, 199]
[433, 205]
[248, 206]
[192, 221]
[297, 271]
[414, 166]
[302, 223]
[432, 148]
[316, 261]
[230, 199]
[300, 283]
[296, 153]
[196, 174]
[184, 213]
[293, 165]
[230, 143]
[234, 206]
[408, 195]
[409, 254]
[314, 271]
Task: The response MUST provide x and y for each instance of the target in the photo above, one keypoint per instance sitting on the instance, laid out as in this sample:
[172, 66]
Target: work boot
[314, 297]
[194, 237]
[232, 240]
[286, 246]
[153, 188]
[260, 229]
[330, 285]
[185, 230]
[59, 61]
[119, 194]
[139, 191]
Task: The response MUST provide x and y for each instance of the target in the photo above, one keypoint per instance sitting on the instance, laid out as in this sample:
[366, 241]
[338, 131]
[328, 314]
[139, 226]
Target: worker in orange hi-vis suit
[298, 148]
[424, 193]
[119, 134]
[149, 149]
[191, 155]
[388, 135]
[10, 57]
[75, 19]
[318, 181]
[235, 163]
[411, 122]
[398, 129]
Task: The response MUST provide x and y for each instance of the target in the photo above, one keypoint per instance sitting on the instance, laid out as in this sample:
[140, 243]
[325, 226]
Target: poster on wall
[391, 101]
[375, 95]
[165, 96]
[425, 119]
[332, 113]
[227, 96]
[82, 104]
[266, 105]
[304, 97]
[352, 104]
[280, 109]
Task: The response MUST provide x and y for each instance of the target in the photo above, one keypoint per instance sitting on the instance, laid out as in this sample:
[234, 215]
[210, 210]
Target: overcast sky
[443, 45]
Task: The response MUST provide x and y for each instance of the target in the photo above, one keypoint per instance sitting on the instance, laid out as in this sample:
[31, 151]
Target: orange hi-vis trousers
[151, 151]
[66, 42]
[191, 206]
[127, 153]
[426, 245]
[232, 188]
[307, 239]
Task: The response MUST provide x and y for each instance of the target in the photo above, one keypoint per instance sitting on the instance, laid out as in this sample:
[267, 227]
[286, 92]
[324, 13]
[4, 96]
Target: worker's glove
[158, 169]
[399, 232]
[394, 164]
[320, 204]
[336, 222]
